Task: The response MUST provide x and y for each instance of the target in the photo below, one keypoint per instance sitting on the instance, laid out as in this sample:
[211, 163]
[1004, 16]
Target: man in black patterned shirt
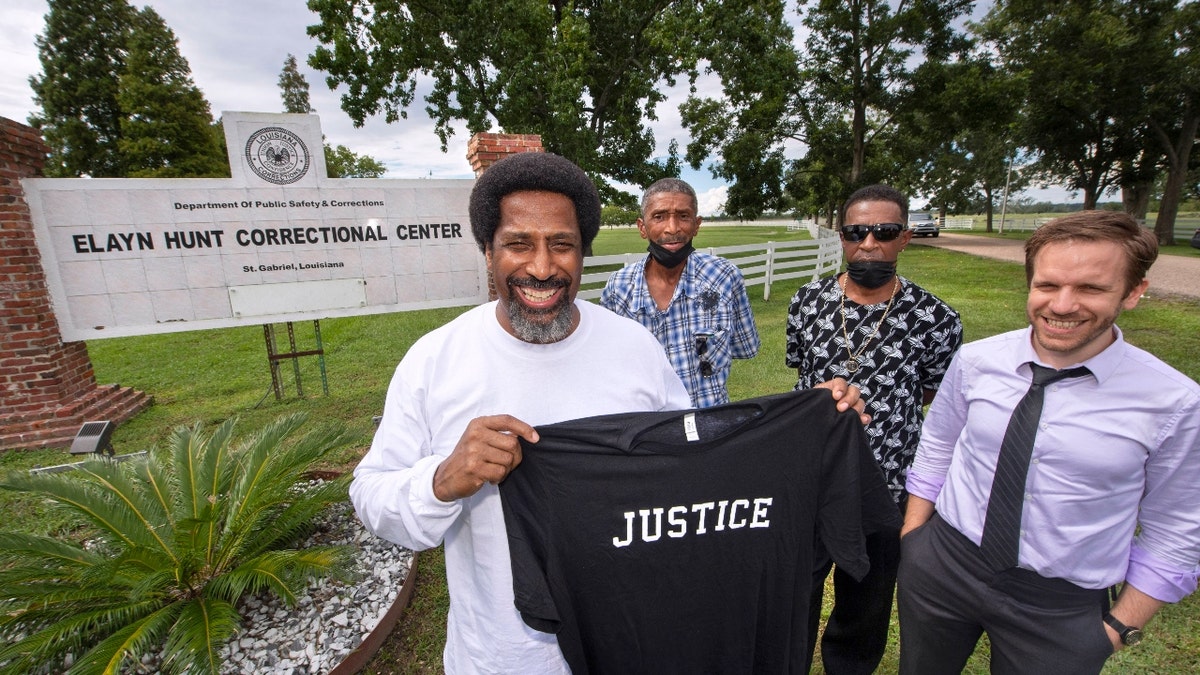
[894, 340]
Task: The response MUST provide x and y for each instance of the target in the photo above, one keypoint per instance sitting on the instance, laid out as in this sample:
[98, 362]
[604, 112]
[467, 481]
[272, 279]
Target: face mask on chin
[668, 258]
[871, 273]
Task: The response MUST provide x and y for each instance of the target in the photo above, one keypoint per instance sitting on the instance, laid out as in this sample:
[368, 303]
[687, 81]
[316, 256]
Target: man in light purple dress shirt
[1112, 495]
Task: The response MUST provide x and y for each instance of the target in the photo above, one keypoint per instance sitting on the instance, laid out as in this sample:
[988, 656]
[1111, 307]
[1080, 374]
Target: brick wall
[47, 387]
[484, 149]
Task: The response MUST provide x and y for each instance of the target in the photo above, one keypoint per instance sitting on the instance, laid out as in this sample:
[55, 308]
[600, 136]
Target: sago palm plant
[174, 539]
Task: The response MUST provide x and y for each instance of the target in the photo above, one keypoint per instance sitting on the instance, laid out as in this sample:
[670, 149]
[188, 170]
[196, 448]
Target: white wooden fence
[760, 263]
[1184, 226]
[964, 223]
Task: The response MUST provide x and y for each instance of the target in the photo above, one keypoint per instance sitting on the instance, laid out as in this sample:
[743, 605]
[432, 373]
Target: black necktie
[1002, 525]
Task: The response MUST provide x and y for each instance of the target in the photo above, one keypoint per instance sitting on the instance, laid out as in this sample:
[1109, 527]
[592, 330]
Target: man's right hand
[917, 512]
[487, 451]
[847, 396]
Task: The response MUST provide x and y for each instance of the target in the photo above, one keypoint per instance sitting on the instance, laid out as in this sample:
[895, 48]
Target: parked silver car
[923, 224]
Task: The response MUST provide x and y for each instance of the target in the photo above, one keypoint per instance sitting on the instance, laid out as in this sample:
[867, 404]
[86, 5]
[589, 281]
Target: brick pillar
[484, 150]
[47, 387]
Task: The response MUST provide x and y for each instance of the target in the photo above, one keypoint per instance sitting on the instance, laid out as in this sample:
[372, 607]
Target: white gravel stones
[326, 624]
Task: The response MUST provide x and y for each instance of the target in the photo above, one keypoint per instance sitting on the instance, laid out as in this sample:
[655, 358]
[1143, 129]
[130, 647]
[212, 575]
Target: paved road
[1171, 274]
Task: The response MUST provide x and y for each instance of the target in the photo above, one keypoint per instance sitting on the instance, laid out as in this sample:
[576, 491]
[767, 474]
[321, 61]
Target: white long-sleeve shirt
[470, 368]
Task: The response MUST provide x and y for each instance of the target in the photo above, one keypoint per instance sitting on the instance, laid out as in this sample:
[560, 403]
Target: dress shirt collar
[1102, 365]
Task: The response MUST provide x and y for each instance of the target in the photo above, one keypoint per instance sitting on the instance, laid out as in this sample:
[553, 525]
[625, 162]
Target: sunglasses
[882, 231]
[706, 367]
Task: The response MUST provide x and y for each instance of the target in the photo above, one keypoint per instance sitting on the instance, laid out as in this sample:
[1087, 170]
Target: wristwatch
[1129, 635]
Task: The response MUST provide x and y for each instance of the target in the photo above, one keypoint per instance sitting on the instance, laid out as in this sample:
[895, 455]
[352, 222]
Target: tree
[293, 87]
[1112, 96]
[1080, 64]
[82, 53]
[848, 84]
[819, 180]
[584, 75]
[1173, 95]
[175, 540]
[858, 56]
[166, 128]
[117, 97]
[960, 130]
[612, 215]
[749, 47]
[340, 162]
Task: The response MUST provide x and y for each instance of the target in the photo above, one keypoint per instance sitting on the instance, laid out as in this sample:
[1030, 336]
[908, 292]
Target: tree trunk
[1089, 198]
[1178, 156]
[988, 207]
[1136, 199]
[1092, 173]
[858, 127]
[1168, 208]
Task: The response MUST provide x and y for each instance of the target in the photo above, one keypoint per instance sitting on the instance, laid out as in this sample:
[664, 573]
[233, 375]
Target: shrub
[173, 540]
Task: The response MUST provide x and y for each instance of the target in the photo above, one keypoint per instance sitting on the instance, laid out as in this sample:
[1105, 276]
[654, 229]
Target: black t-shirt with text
[682, 542]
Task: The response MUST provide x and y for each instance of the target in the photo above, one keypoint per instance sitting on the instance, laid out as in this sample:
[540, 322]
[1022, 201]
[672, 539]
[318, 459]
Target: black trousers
[857, 631]
[948, 597]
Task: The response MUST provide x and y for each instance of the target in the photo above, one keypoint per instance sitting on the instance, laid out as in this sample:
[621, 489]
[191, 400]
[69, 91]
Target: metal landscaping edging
[358, 659]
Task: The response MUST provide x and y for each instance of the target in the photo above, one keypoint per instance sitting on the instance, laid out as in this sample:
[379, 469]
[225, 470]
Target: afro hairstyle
[543, 171]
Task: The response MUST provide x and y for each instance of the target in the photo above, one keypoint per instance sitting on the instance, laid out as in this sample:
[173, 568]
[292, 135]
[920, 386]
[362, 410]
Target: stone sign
[279, 241]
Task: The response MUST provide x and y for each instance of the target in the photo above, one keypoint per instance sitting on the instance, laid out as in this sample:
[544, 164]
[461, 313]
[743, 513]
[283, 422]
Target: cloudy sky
[236, 49]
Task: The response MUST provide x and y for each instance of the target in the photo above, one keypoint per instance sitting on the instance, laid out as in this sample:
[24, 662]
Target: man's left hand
[847, 396]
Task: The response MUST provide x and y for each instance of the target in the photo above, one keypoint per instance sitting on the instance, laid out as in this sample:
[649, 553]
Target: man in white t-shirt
[465, 392]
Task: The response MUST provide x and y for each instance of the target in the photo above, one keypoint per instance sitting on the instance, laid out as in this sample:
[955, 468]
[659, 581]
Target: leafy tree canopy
[1111, 95]
[961, 134]
[837, 99]
[166, 128]
[612, 215]
[82, 53]
[585, 75]
[293, 87]
[341, 162]
[117, 97]
[1075, 61]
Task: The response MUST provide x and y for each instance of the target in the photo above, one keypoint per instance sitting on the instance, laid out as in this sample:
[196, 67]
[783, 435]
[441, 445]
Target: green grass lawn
[1182, 245]
[990, 296]
[210, 376]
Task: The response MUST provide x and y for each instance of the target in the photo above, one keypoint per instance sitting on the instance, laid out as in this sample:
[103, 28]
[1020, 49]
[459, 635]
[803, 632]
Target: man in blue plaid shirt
[694, 303]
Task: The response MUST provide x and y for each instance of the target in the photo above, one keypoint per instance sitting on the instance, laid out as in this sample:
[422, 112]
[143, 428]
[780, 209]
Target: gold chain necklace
[852, 362]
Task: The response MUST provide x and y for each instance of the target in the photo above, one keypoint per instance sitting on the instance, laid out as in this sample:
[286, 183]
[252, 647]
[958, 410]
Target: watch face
[1131, 637]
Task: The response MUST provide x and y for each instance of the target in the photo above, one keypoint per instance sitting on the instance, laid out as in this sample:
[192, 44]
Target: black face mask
[667, 258]
[871, 273]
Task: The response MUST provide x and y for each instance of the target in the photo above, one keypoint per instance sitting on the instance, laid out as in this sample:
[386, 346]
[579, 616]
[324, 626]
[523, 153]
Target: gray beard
[527, 329]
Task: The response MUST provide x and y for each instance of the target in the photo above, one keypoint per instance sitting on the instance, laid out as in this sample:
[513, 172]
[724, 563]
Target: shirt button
[1037, 461]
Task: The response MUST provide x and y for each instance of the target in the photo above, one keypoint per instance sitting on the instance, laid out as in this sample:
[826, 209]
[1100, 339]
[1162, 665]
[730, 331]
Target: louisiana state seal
[277, 155]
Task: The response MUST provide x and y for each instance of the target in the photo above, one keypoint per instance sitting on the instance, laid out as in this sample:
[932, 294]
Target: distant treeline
[1022, 207]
